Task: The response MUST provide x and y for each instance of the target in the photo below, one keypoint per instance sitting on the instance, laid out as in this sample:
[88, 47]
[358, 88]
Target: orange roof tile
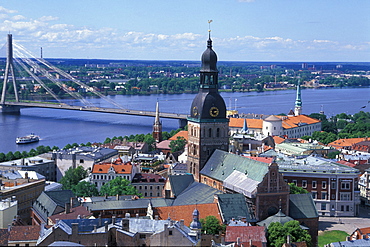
[185, 212]
[262, 159]
[345, 142]
[182, 133]
[346, 163]
[120, 168]
[292, 122]
[278, 139]
[251, 123]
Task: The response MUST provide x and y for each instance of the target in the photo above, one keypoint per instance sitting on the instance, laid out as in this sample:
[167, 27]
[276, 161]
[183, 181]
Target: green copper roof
[302, 206]
[221, 164]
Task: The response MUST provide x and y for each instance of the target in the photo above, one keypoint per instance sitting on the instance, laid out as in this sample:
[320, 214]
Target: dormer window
[123, 170]
[100, 170]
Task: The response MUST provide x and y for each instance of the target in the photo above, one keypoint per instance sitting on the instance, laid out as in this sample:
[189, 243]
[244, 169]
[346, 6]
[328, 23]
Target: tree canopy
[178, 144]
[86, 189]
[277, 233]
[118, 186]
[72, 177]
[294, 189]
[211, 225]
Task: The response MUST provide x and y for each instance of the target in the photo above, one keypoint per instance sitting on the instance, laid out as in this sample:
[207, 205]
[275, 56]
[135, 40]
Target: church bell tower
[208, 125]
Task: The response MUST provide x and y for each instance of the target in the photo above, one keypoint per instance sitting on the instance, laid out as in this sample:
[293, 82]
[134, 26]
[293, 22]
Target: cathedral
[208, 125]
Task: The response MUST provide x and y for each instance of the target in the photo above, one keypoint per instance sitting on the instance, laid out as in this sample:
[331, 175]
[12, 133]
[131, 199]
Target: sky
[241, 30]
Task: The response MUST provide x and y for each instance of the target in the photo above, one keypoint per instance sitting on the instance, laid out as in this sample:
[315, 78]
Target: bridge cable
[44, 72]
[68, 76]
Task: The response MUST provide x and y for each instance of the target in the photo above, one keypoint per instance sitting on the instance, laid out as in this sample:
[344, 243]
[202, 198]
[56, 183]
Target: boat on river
[27, 139]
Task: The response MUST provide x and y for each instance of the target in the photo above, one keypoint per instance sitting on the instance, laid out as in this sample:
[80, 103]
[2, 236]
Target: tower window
[218, 132]
[209, 132]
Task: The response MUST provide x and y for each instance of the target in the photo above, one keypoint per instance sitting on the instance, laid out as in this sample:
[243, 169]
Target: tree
[177, 145]
[277, 233]
[72, 177]
[211, 225]
[2, 157]
[333, 155]
[84, 188]
[9, 156]
[294, 189]
[118, 186]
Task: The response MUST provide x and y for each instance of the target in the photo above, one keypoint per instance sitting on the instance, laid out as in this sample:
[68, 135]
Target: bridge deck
[97, 109]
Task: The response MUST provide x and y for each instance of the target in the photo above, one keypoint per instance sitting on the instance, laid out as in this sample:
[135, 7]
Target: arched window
[218, 132]
[209, 132]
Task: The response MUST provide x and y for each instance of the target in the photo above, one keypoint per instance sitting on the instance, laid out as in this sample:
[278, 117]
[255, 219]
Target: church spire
[157, 126]
[298, 101]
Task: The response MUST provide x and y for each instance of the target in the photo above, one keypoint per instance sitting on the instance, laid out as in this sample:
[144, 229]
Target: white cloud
[48, 18]
[18, 18]
[8, 11]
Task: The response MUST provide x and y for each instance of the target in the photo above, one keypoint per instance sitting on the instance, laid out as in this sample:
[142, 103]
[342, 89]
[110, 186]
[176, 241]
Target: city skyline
[244, 30]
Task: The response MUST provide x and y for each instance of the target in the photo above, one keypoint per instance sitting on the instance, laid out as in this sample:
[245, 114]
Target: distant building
[104, 172]
[43, 166]
[80, 156]
[290, 126]
[149, 184]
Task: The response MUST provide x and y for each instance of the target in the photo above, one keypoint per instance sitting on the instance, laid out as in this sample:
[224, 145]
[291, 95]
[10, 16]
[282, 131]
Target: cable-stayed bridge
[24, 62]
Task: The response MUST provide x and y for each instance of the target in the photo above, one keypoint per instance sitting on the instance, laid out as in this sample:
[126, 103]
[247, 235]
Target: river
[62, 127]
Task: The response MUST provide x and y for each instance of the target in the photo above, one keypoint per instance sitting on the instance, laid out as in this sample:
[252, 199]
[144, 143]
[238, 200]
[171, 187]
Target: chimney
[67, 208]
[42, 228]
[117, 197]
[127, 215]
[182, 224]
[125, 223]
[113, 219]
[9, 227]
[99, 220]
[156, 217]
[74, 228]
[71, 201]
[238, 241]
[288, 239]
[106, 226]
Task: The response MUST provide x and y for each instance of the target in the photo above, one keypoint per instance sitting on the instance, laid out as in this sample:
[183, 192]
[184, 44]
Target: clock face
[214, 111]
[195, 111]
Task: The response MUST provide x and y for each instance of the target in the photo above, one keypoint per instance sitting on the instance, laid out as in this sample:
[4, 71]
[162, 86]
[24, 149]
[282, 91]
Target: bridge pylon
[9, 70]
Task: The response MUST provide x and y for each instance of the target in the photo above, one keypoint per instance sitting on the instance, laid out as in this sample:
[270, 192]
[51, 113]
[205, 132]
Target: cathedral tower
[207, 124]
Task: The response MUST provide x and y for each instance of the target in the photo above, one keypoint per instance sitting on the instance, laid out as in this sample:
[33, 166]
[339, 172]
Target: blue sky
[242, 30]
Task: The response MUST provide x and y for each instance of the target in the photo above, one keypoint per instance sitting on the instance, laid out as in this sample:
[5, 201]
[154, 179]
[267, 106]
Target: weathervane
[209, 26]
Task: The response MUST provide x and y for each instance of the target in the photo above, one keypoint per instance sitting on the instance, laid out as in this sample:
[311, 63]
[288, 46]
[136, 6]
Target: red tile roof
[75, 212]
[293, 122]
[24, 233]
[341, 143]
[278, 139]
[262, 159]
[346, 163]
[182, 133]
[164, 144]
[246, 234]
[251, 123]
[185, 212]
[120, 168]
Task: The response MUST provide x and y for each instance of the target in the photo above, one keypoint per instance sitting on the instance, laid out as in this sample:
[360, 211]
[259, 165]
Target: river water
[61, 127]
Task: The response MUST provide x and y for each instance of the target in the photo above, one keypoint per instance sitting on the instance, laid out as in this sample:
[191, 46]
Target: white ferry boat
[27, 139]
